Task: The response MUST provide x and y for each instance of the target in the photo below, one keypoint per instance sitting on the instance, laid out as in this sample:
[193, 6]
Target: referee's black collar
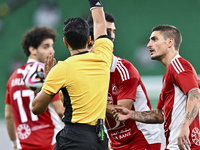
[81, 53]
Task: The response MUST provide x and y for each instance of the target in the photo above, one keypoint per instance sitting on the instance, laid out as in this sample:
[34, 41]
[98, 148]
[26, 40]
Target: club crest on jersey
[196, 136]
[114, 89]
[23, 131]
[113, 124]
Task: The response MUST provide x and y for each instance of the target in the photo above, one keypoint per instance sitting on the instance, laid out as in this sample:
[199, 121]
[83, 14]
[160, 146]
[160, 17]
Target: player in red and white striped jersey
[126, 89]
[33, 131]
[179, 102]
[177, 81]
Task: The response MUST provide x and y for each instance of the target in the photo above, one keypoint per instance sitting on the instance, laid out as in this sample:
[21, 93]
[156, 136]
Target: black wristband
[95, 4]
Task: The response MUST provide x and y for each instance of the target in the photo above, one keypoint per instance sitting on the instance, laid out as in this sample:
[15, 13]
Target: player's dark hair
[92, 36]
[92, 33]
[76, 32]
[35, 36]
[109, 18]
[169, 31]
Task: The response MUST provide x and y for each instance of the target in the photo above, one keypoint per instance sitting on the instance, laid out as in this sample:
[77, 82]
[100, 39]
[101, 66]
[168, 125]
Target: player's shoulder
[179, 64]
[124, 66]
[178, 60]
[17, 72]
[127, 64]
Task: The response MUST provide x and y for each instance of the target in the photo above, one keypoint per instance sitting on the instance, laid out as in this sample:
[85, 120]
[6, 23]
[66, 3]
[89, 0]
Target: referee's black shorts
[79, 137]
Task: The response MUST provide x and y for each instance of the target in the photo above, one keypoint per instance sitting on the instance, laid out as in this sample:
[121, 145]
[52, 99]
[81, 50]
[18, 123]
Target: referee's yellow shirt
[84, 81]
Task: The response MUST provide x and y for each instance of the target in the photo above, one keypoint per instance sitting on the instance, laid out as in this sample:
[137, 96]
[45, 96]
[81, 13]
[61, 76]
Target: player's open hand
[49, 62]
[183, 138]
[121, 113]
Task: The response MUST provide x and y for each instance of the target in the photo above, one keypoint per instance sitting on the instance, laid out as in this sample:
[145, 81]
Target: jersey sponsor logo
[121, 134]
[123, 71]
[23, 131]
[177, 66]
[40, 127]
[114, 89]
[196, 136]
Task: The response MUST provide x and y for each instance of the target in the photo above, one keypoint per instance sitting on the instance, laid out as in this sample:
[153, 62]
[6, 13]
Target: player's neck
[32, 57]
[167, 60]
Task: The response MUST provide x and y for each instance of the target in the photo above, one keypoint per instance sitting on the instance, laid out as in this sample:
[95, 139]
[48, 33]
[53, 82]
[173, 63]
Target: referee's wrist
[14, 143]
[95, 4]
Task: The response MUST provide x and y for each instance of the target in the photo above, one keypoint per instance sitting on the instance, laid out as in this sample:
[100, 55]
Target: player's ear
[170, 42]
[65, 42]
[32, 50]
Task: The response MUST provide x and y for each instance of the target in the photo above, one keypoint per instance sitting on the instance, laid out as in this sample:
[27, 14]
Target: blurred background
[134, 21]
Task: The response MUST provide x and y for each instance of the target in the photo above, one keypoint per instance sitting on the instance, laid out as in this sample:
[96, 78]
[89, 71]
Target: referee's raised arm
[98, 18]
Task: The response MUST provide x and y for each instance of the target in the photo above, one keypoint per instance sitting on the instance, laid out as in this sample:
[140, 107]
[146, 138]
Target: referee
[84, 80]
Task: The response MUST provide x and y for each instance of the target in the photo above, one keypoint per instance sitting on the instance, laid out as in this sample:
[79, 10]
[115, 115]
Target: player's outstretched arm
[127, 103]
[98, 18]
[192, 109]
[149, 117]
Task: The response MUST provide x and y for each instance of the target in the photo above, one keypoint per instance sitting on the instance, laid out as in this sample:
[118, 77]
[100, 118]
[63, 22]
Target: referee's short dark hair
[76, 32]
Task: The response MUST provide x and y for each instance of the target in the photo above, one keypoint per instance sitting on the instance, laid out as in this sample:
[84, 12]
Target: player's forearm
[11, 128]
[127, 103]
[149, 117]
[10, 124]
[193, 106]
[109, 109]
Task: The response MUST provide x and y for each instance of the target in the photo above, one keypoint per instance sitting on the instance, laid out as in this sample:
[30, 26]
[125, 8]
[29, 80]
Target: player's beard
[41, 57]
